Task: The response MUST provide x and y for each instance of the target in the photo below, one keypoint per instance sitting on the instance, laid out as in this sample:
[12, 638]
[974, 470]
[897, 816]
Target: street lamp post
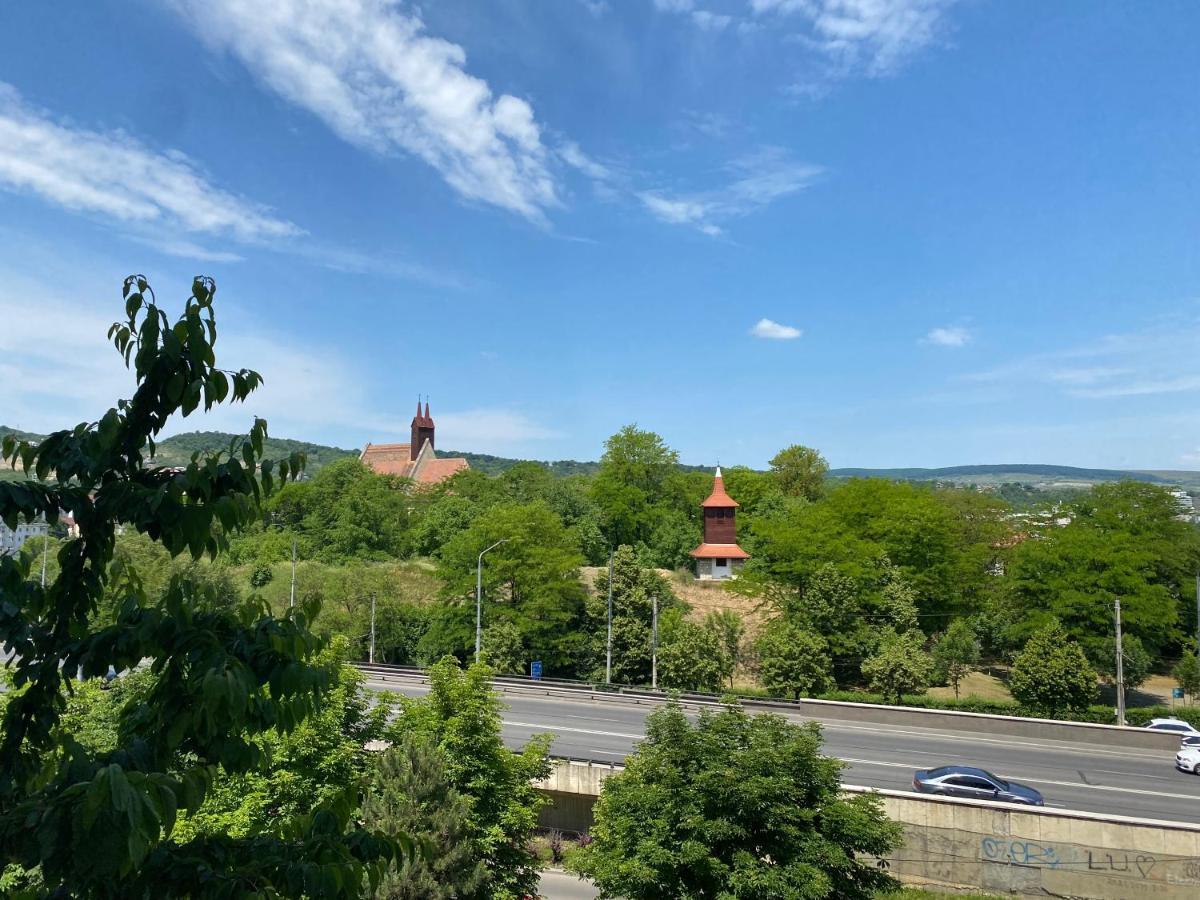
[479, 596]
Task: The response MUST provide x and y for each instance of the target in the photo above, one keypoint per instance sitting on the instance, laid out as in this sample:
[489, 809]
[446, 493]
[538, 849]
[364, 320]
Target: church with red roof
[415, 460]
[719, 557]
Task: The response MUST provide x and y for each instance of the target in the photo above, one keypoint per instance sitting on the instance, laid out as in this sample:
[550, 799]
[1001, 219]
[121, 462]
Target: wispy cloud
[759, 180]
[1155, 361]
[373, 75]
[704, 19]
[875, 37]
[947, 337]
[575, 158]
[158, 195]
[771, 330]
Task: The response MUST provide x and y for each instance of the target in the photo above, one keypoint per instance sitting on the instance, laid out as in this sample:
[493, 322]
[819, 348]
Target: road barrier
[959, 845]
[835, 711]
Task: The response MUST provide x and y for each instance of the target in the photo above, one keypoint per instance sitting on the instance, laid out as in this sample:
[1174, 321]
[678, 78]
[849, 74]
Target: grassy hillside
[178, 449]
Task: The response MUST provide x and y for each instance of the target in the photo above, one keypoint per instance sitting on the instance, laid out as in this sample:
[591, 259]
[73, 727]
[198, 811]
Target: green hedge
[1101, 715]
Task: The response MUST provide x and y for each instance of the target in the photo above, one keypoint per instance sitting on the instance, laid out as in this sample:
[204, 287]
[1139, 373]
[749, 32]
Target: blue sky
[906, 232]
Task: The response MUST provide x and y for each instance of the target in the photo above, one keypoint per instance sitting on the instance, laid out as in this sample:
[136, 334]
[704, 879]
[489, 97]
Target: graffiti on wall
[1019, 852]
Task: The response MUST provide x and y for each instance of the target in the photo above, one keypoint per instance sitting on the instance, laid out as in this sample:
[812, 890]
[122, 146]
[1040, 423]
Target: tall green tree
[942, 552]
[221, 678]
[692, 658]
[799, 471]
[1123, 540]
[792, 662]
[956, 653]
[1187, 674]
[533, 578]
[729, 630]
[1051, 675]
[676, 824]
[461, 717]
[503, 649]
[635, 590]
[410, 792]
[638, 479]
[899, 665]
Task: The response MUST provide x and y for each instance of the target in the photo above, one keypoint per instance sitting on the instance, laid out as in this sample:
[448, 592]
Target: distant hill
[178, 449]
[1026, 473]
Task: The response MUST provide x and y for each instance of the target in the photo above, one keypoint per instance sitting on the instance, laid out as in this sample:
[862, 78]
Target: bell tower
[422, 431]
[719, 556]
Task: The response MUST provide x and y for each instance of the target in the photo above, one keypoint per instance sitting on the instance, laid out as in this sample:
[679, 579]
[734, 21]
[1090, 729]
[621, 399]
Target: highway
[1114, 781]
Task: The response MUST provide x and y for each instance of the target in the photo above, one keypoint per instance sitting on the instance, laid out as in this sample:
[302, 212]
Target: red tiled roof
[389, 459]
[718, 497]
[720, 551]
[437, 470]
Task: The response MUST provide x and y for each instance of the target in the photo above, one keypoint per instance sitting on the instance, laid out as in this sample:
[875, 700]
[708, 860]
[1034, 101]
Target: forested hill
[1019, 472]
[177, 450]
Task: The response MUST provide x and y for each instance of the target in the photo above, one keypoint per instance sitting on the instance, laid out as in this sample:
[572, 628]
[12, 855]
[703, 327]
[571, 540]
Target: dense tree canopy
[675, 824]
[1123, 540]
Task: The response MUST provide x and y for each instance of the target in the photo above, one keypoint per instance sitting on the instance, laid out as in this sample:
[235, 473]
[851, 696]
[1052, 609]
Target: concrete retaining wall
[962, 845]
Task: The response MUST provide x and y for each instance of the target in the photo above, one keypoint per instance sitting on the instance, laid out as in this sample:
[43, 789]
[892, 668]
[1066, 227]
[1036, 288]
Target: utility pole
[292, 596]
[1120, 667]
[608, 654]
[479, 597]
[654, 647]
[371, 649]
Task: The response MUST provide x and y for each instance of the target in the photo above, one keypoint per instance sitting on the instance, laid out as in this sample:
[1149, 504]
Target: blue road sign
[535, 669]
[1176, 693]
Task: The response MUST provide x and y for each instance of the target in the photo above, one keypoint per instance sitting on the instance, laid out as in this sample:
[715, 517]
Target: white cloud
[577, 159]
[760, 179]
[948, 337]
[1160, 360]
[1142, 387]
[875, 36]
[113, 175]
[1088, 375]
[596, 7]
[766, 328]
[710, 21]
[309, 392]
[674, 5]
[372, 74]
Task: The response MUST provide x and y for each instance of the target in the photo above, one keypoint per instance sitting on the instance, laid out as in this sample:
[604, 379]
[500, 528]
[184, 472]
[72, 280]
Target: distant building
[12, 541]
[1185, 505]
[719, 557]
[415, 460]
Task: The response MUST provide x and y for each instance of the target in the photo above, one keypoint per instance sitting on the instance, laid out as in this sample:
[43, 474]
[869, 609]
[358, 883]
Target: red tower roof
[718, 497]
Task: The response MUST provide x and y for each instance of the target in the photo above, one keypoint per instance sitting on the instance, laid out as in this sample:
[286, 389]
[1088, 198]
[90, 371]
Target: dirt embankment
[702, 597]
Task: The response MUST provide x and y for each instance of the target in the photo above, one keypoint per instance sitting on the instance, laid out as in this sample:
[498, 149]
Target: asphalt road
[562, 886]
[1127, 782]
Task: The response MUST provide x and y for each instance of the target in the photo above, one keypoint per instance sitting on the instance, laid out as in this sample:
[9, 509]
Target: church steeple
[422, 430]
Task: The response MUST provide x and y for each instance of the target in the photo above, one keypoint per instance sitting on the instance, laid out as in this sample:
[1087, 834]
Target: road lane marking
[636, 737]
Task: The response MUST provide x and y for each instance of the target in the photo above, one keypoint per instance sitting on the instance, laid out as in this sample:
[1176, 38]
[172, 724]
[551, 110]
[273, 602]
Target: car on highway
[1188, 760]
[1178, 726]
[971, 783]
